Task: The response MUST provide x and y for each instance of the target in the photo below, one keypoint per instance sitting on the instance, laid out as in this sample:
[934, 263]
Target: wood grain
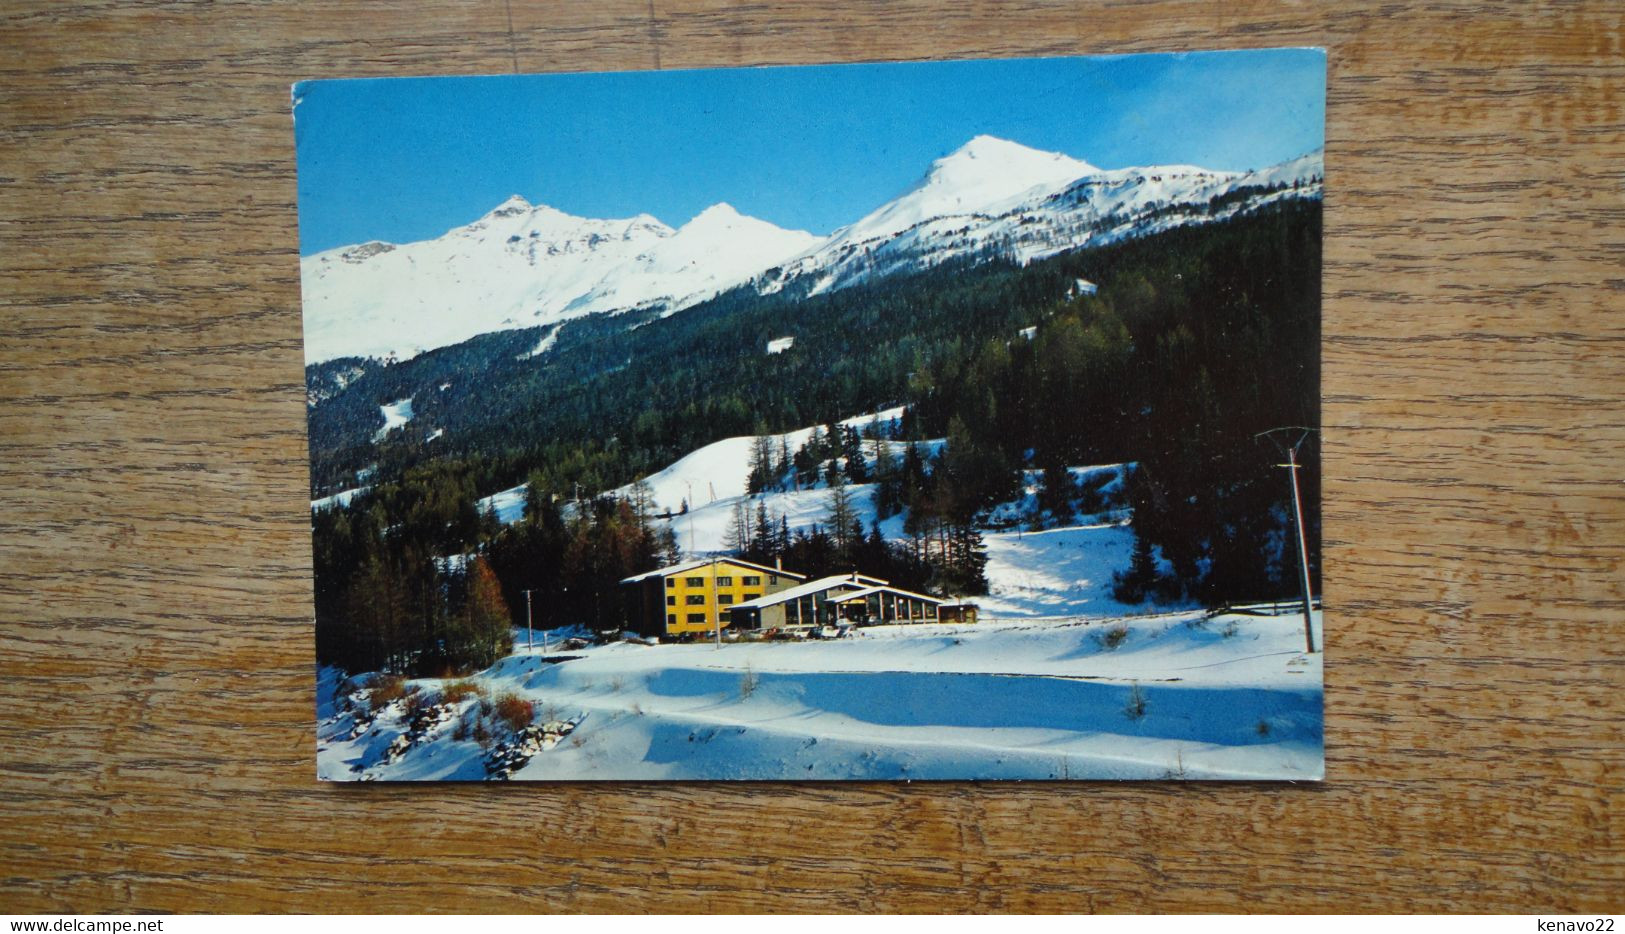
[156, 697]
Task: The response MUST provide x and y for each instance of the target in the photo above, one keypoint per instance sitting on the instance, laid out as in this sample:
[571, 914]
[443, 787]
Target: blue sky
[812, 148]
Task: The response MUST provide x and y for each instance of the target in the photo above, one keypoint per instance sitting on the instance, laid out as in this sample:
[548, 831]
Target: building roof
[859, 594]
[818, 586]
[702, 562]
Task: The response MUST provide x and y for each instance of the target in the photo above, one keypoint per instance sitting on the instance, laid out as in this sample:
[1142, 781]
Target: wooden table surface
[156, 695]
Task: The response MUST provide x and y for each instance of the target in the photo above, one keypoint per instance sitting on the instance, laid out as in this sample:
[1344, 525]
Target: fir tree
[852, 451]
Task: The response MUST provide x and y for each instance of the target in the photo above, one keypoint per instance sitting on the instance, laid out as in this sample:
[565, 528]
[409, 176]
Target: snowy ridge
[522, 265]
[985, 176]
[1067, 205]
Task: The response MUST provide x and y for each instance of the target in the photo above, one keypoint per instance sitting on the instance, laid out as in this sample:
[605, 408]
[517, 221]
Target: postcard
[941, 420]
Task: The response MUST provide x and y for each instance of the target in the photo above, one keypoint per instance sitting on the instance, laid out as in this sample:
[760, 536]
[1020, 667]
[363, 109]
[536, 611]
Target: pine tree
[642, 498]
[841, 515]
[1056, 489]
[783, 466]
[761, 466]
[852, 450]
[761, 543]
[737, 539]
[1137, 584]
[888, 481]
[806, 462]
[781, 542]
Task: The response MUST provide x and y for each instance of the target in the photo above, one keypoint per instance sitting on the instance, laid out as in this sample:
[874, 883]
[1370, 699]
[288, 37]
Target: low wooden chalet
[843, 599]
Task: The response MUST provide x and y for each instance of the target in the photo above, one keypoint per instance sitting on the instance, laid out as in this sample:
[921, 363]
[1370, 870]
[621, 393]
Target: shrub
[458, 690]
[747, 684]
[515, 711]
[415, 701]
[1263, 728]
[1113, 637]
[1135, 708]
[383, 690]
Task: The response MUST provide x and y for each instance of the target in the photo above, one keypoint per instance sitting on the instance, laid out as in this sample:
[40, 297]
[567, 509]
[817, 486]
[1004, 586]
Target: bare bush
[514, 711]
[458, 690]
[1135, 708]
[383, 690]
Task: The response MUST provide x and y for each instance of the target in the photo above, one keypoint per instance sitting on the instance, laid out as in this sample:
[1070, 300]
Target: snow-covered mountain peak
[718, 249]
[985, 176]
[527, 265]
[985, 157]
[723, 220]
[721, 212]
[515, 205]
[648, 221]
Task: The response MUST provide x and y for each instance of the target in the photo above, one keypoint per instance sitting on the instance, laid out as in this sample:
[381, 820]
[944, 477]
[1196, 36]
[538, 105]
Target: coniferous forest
[1196, 340]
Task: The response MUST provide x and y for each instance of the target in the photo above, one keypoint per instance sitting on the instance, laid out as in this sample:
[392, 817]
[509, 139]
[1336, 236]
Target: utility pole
[530, 632]
[690, 502]
[716, 611]
[1292, 466]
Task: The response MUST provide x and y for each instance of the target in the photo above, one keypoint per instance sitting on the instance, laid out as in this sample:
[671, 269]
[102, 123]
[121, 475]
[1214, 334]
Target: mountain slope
[993, 197]
[522, 265]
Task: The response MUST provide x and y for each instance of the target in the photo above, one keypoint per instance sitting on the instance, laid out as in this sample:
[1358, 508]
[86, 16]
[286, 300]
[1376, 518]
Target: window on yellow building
[671, 582]
[671, 619]
[696, 617]
[725, 598]
[753, 596]
[725, 582]
[696, 599]
[671, 600]
[752, 580]
[694, 581]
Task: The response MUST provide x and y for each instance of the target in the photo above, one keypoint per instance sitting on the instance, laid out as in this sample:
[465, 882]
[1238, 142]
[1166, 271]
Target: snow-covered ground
[1056, 572]
[396, 414]
[1058, 680]
[509, 504]
[1172, 696]
[338, 500]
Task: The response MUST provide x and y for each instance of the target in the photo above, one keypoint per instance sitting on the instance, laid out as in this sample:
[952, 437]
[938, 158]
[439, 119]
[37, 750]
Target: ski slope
[1055, 572]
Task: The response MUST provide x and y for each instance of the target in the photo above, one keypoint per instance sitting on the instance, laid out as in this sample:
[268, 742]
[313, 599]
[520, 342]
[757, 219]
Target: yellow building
[694, 597]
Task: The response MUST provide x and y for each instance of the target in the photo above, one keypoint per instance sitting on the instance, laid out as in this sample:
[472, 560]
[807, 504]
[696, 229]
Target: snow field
[1169, 696]
[396, 414]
